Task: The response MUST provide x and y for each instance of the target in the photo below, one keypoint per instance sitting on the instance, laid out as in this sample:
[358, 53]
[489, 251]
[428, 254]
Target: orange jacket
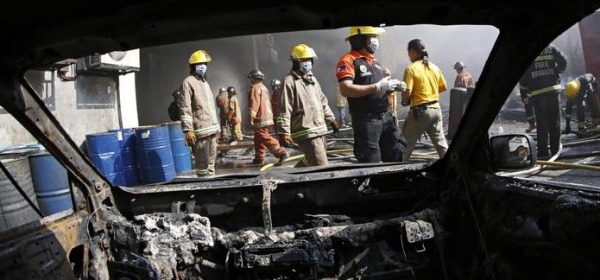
[259, 103]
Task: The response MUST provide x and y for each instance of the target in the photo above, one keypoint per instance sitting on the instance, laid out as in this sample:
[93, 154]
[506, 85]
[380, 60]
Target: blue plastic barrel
[153, 150]
[182, 154]
[129, 170]
[104, 152]
[15, 209]
[51, 183]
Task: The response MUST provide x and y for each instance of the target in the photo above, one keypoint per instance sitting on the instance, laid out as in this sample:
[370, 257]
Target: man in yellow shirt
[424, 82]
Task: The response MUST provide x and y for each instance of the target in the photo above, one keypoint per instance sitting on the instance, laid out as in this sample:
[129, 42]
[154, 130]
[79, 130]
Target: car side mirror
[513, 152]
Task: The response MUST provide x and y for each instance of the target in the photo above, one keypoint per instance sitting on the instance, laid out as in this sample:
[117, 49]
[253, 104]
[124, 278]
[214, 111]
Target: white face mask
[305, 66]
[201, 69]
[373, 44]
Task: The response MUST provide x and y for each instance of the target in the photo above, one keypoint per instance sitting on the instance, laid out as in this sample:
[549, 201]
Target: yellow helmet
[366, 30]
[303, 51]
[572, 89]
[199, 56]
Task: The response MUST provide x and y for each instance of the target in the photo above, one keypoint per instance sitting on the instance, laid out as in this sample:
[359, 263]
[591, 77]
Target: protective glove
[335, 125]
[190, 138]
[401, 86]
[386, 84]
[285, 140]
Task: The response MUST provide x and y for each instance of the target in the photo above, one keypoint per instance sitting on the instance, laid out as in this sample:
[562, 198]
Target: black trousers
[377, 138]
[547, 118]
[578, 101]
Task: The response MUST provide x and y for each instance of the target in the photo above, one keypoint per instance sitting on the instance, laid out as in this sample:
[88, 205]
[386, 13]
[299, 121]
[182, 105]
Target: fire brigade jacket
[304, 109]
[259, 102]
[234, 113]
[543, 75]
[197, 107]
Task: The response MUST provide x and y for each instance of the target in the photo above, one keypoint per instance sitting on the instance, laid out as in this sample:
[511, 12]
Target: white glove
[401, 86]
[386, 84]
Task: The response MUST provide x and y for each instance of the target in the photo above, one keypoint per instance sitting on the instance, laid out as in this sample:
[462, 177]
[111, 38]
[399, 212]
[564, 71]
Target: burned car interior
[473, 214]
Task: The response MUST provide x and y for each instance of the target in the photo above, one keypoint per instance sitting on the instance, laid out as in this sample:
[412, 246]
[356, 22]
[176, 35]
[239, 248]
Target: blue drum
[154, 155]
[104, 152]
[51, 183]
[182, 154]
[129, 172]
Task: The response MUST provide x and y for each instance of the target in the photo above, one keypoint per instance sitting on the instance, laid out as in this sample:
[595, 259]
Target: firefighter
[234, 116]
[173, 110]
[275, 96]
[304, 110]
[199, 119]
[529, 114]
[341, 104]
[580, 91]
[392, 98]
[360, 77]
[222, 103]
[261, 119]
[542, 82]
[463, 77]
[518, 151]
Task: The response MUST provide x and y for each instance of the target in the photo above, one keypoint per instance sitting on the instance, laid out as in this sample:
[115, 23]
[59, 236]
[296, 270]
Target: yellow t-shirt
[425, 83]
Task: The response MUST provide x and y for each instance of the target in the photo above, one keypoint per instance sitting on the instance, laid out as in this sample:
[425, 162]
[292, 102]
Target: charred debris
[487, 227]
[185, 246]
[267, 231]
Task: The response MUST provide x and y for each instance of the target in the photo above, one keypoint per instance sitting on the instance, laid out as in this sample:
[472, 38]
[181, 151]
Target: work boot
[530, 128]
[258, 161]
[282, 158]
[202, 172]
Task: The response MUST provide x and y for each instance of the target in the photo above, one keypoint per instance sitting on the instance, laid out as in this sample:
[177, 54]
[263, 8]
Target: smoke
[164, 67]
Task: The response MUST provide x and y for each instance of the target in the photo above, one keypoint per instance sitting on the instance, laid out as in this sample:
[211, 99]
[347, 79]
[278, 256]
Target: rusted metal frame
[31, 112]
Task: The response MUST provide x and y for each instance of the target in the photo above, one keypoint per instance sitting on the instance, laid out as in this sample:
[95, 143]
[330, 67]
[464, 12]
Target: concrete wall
[86, 105]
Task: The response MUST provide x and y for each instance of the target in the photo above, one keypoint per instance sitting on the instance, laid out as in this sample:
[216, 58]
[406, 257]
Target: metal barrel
[15, 210]
[182, 155]
[155, 158]
[459, 99]
[104, 152]
[51, 183]
[129, 171]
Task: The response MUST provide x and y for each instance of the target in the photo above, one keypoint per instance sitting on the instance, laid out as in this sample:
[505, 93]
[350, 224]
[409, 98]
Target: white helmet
[516, 142]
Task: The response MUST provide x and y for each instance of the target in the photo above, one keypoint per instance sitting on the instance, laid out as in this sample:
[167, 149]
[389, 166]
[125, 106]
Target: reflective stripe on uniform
[201, 172]
[320, 130]
[283, 121]
[207, 130]
[544, 90]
